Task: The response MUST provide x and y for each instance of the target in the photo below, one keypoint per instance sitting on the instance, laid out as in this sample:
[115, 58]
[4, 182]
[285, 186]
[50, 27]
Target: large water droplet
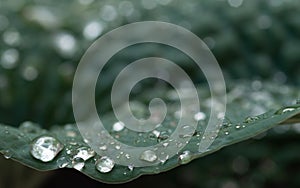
[185, 157]
[84, 153]
[148, 156]
[45, 148]
[105, 164]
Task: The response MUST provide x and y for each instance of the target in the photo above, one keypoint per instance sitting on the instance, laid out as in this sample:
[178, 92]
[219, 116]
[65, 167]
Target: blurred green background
[43, 41]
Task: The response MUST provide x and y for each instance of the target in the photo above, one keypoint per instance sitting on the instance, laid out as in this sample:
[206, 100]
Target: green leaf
[240, 124]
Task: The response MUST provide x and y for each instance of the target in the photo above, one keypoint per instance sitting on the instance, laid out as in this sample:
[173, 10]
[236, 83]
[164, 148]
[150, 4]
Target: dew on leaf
[118, 126]
[103, 148]
[104, 164]
[29, 127]
[148, 156]
[84, 153]
[62, 162]
[7, 154]
[284, 110]
[78, 163]
[45, 148]
[251, 119]
[185, 157]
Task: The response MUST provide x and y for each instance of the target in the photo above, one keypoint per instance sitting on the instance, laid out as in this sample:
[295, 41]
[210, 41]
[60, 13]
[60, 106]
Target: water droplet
[29, 127]
[45, 148]
[7, 154]
[284, 110]
[185, 157]
[165, 144]
[199, 116]
[84, 153]
[237, 126]
[156, 133]
[148, 156]
[163, 136]
[130, 167]
[104, 147]
[105, 164]
[251, 119]
[226, 133]
[118, 126]
[62, 162]
[78, 163]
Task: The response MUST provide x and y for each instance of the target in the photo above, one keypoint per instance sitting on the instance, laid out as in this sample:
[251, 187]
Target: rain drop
[284, 110]
[78, 163]
[148, 156]
[29, 127]
[118, 126]
[7, 154]
[62, 162]
[84, 153]
[45, 148]
[105, 164]
[251, 119]
[185, 157]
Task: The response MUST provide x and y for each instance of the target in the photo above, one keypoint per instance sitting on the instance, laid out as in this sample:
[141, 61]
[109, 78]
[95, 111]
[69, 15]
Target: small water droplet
[185, 157]
[199, 116]
[130, 167]
[251, 119]
[284, 110]
[156, 133]
[45, 148]
[226, 133]
[118, 126]
[7, 154]
[148, 156]
[78, 163]
[165, 144]
[29, 127]
[163, 136]
[237, 126]
[62, 162]
[104, 147]
[84, 153]
[105, 164]
[127, 156]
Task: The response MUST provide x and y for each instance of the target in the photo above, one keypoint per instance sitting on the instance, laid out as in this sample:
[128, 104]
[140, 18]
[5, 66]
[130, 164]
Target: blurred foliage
[42, 42]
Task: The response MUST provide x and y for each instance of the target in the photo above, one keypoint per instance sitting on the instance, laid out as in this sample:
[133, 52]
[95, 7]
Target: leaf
[240, 124]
